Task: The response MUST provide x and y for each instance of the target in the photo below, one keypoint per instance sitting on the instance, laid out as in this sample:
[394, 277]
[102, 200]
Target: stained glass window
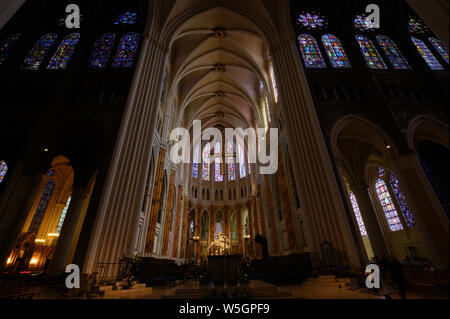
[388, 206]
[362, 24]
[196, 159]
[381, 172]
[416, 25]
[370, 53]
[394, 55]
[6, 45]
[127, 50]
[312, 21]
[231, 162]
[63, 215]
[101, 51]
[359, 219]
[439, 183]
[128, 17]
[64, 53]
[3, 170]
[426, 54]
[311, 52]
[403, 203]
[206, 166]
[40, 50]
[42, 207]
[265, 112]
[242, 166]
[274, 83]
[218, 164]
[440, 47]
[335, 52]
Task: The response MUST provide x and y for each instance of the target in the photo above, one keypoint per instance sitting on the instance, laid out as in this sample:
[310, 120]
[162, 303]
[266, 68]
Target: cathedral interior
[359, 113]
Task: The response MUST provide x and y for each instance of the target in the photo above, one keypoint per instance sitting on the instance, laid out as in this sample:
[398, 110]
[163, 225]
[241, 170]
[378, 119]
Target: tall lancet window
[427, 55]
[101, 51]
[387, 203]
[218, 163]
[394, 55]
[3, 170]
[359, 219]
[440, 48]
[126, 51]
[274, 82]
[310, 52]
[42, 207]
[242, 166]
[231, 162]
[40, 50]
[63, 215]
[206, 165]
[64, 53]
[196, 160]
[403, 203]
[370, 53]
[6, 46]
[335, 52]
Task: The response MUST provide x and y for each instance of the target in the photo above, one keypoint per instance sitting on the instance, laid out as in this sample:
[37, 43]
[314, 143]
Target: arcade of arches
[368, 183]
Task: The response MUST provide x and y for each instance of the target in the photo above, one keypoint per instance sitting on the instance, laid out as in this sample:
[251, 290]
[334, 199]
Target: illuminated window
[195, 162]
[64, 53]
[218, 164]
[388, 206]
[40, 50]
[265, 112]
[361, 23]
[440, 47]
[416, 25]
[42, 207]
[394, 55]
[370, 53]
[127, 18]
[206, 166]
[6, 45]
[312, 21]
[274, 83]
[403, 203]
[359, 219]
[311, 53]
[426, 54]
[63, 215]
[127, 50]
[242, 166]
[3, 170]
[101, 51]
[231, 163]
[335, 52]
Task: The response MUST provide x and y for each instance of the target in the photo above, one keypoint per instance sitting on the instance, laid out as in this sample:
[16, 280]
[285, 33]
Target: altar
[223, 267]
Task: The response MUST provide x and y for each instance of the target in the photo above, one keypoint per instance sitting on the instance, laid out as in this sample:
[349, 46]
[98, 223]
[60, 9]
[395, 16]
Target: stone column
[226, 217]
[184, 227]
[271, 217]
[7, 10]
[262, 220]
[374, 230]
[169, 215]
[239, 231]
[253, 226]
[198, 229]
[176, 237]
[65, 240]
[212, 212]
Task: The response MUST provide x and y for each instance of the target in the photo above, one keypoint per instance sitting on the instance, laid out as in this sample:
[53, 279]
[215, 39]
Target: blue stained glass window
[42, 207]
[362, 24]
[242, 166]
[40, 50]
[426, 54]
[416, 25]
[218, 164]
[403, 203]
[127, 18]
[311, 53]
[394, 55]
[63, 215]
[312, 20]
[101, 51]
[359, 219]
[6, 45]
[335, 52]
[64, 53]
[388, 206]
[206, 165]
[231, 162]
[196, 159]
[3, 170]
[440, 47]
[439, 183]
[370, 53]
[381, 172]
[127, 50]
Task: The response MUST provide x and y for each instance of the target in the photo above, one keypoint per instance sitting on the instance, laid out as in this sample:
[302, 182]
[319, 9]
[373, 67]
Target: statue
[220, 247]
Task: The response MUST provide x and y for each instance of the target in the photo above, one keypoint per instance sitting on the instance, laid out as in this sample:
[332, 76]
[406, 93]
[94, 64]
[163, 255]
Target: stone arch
[427, 128]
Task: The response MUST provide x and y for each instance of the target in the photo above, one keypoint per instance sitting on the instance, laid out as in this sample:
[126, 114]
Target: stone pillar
[374, 230]
[198, 229]
[271, 217]
[239, 231]
[253, 226]
[169, 215]
[184, 227]
[157, 190]
[262, 219]
[286, 204]
[212, 212]
[7, 10]
[226, 217]
[430, 218]
[65, 240]
[176, 237]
